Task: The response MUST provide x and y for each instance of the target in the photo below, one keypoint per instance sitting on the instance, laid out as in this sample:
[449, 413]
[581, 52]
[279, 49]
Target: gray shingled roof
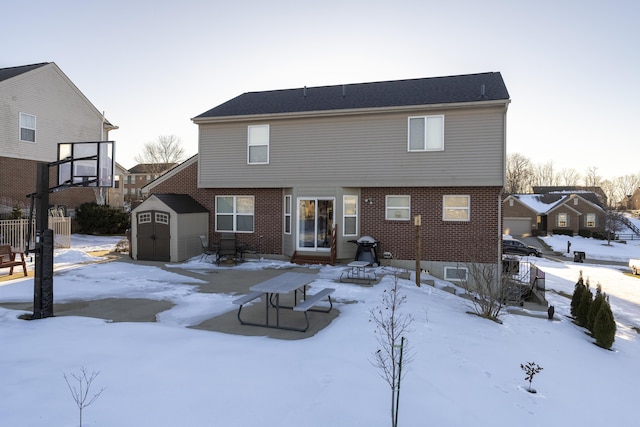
[435, 90]
[181, 203]
[7, 73]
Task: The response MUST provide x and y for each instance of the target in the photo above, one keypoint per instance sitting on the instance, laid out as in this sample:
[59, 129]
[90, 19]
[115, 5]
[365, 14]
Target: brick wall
[448, 241]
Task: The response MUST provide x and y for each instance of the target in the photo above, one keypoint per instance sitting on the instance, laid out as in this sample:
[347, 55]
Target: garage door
[517, 226]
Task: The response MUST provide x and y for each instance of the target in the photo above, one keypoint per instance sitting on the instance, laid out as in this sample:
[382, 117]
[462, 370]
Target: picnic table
[357, 271]
[284, 284]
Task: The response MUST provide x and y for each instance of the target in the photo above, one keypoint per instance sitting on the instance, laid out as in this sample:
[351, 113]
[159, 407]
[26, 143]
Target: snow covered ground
[465, 370]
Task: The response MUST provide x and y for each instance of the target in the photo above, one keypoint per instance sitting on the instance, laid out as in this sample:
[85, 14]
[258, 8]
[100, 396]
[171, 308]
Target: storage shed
[166, 227]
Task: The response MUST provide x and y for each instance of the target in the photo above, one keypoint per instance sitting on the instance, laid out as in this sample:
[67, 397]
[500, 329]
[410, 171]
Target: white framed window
[456, 208]
[456, 274]
[349, 215]
[258, 145]
[398, 208]
[27, 127]
[235, 214]
[287, 214]
[426, 133]
[162, 218]
[590, 220]
[144, 217]
[562, 220]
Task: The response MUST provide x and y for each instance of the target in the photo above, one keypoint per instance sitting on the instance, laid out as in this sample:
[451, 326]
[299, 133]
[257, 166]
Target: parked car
[634, 264]
[516, 247]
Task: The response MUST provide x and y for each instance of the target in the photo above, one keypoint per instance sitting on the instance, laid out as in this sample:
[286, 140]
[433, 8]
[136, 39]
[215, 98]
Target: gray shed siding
[357, 150]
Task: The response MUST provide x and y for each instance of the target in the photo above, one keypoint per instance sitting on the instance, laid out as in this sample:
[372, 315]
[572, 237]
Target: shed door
[154, 239]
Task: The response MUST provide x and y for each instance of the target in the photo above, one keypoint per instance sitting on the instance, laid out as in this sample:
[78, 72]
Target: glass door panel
[315, 222]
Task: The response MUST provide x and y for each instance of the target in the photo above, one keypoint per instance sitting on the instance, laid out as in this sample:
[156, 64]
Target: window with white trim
[235, 214]
[455, 208]
[144, 217]
[349, 215]
[258, 145]
[398, 208]
[287, 214]
[426, 133]
[456, 274]
[162, 218]
[590, 220]
[562, 220]
[27, 127]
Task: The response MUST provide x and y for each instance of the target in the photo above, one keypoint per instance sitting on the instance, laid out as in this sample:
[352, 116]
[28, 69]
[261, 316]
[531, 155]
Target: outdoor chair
[207, 251]
[227, 249]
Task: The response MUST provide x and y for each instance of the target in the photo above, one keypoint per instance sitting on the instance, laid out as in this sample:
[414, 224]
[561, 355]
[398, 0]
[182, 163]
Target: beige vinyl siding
[63, 114]
[357, 150]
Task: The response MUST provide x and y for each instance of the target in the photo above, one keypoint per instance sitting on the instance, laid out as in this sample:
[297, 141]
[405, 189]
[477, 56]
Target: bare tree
[518, 174]
[392, 353]
[570, 176]
[164, 150]
[80, 393]
[591, 177]
[614, 223]
[544, 175]
[487, 288]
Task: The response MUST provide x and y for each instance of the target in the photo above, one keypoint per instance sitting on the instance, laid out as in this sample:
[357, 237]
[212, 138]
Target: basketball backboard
[87, 164]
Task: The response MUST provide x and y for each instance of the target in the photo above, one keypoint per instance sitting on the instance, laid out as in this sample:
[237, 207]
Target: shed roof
[425, 91]
[181, 203]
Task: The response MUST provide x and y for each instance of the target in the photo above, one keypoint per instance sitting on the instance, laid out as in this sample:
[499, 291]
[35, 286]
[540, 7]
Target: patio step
[299, 258]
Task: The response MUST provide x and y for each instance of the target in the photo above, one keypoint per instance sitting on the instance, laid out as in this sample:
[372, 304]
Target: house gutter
[350, 112]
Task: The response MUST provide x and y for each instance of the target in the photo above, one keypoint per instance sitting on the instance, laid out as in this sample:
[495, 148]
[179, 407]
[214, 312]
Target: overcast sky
[572, 68]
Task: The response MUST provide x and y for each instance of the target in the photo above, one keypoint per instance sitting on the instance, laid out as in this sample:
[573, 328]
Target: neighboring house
[281, 168]
[590, 192]
[632, 201]
[542, 214]
[141, 175]
[39, 108]
[116, 194]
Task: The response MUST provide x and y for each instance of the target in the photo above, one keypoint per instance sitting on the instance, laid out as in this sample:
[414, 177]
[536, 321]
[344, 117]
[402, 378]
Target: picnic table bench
[286, 283]
[8, 259]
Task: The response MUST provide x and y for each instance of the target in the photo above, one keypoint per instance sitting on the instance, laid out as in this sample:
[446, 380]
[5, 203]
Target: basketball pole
[43, 275]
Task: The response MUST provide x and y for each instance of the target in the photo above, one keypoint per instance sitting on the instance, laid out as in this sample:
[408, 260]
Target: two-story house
[39, 108]
[283, 167]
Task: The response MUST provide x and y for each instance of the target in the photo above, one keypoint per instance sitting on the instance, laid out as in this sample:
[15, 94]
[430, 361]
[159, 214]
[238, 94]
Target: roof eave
[351, 111]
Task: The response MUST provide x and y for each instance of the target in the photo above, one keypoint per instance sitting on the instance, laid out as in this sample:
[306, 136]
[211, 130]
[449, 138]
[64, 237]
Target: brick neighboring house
[39, 108]
[281, 168]
[141, 175]
[542, 214]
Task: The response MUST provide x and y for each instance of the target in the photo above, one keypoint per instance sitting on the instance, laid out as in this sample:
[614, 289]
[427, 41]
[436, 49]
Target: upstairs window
[426, 133]
[27, 127]
[258, 145]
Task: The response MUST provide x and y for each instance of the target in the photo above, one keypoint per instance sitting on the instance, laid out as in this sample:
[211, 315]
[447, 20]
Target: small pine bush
[577, 295]
[583, 307]
[604, 328]
[595, 306]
